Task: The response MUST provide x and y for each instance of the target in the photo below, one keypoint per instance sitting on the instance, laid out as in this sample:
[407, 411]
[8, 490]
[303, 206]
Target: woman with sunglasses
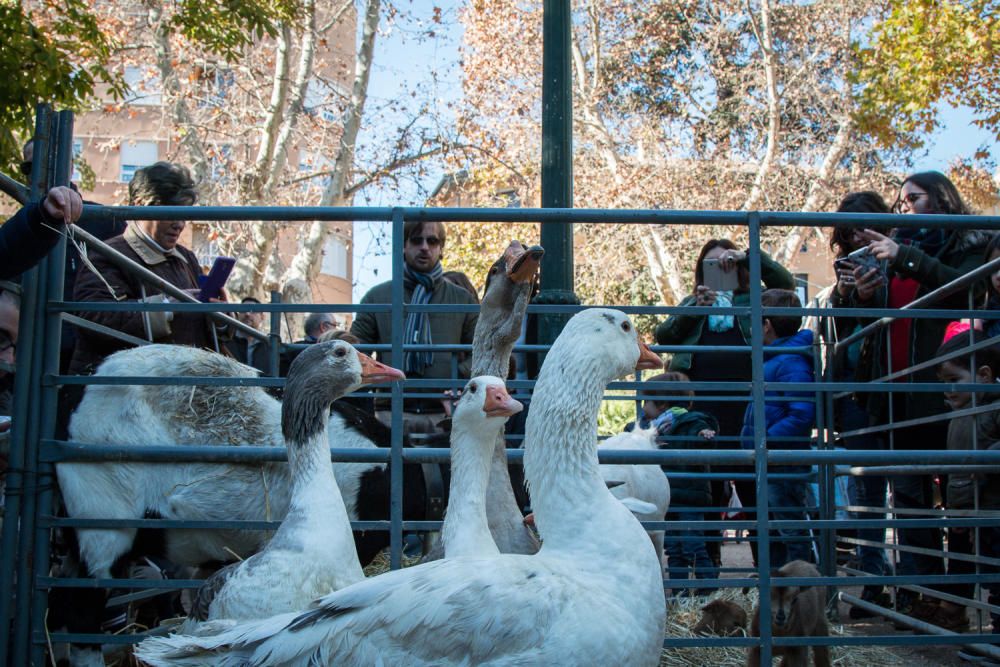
[916, 261]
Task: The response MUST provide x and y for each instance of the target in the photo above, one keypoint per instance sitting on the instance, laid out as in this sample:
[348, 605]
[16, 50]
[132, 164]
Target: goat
[796, 611]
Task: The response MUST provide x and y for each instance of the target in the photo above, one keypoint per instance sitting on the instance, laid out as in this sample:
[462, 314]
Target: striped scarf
[418, 325]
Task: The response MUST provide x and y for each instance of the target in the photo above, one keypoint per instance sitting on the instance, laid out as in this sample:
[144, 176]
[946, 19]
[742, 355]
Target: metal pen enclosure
[30, 511]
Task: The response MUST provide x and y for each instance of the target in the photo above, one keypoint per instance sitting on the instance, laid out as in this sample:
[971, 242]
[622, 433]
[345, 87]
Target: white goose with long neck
[477, 421]
[312, 553]
[593, 594]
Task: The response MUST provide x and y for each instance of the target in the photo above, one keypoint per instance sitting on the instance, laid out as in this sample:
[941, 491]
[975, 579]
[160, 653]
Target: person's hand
[730, 259]
[706, 433]
[867, 282]
[845, 282]
[703, 296]
[62, 203]
[880, 245]
[449, 398]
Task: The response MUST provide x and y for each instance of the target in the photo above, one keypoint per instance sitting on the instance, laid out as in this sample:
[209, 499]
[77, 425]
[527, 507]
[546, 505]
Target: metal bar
[31, 315]
[759, 438]
[919, 626]
[949, 288]
[576, 215]
[126, 264]
[396, 458]
[55, 266]
[956, 599]
[58, 450]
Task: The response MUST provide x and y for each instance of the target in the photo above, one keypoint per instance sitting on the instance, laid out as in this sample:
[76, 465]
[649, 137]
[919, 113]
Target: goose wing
[458, 611]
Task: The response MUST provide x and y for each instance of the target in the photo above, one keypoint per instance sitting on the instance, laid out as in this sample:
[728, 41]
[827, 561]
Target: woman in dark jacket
[848, 414]
[918, 261]
[718, 330]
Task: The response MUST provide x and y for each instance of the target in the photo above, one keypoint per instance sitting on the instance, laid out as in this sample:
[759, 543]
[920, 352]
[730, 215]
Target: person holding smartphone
[919, 260]
[731, 288]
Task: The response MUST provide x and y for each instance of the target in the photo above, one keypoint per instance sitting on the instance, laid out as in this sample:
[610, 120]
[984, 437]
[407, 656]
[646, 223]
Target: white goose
[593, 594]
[312, 553]
[475, 426]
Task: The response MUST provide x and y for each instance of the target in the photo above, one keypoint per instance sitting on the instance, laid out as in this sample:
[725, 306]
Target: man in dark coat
[153, 244]
[423, 284]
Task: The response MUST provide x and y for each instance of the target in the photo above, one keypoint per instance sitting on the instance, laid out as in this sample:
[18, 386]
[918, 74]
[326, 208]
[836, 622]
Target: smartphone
[212, 284]
[845, 266]
[863, 257]
[716, 279]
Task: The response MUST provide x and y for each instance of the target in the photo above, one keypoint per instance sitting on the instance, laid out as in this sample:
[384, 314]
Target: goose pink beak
[648, 360]
[522, 263]
[499, 403]
[374, 372]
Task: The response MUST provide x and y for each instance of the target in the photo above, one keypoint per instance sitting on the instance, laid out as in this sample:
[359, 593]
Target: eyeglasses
[432, 241]
[6, 342]
[910, 198]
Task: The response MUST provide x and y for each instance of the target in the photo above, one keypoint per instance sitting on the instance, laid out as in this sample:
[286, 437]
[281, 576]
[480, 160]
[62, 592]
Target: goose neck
[560, 458]
[466, 526]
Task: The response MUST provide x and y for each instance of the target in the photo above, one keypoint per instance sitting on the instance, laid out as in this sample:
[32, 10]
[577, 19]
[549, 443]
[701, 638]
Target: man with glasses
[423, 247]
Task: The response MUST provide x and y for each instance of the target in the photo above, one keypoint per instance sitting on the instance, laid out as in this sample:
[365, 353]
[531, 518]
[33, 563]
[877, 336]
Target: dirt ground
[738, 555]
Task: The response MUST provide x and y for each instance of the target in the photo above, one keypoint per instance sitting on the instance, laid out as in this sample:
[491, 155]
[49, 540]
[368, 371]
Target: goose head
[604, 341]
[317, 377]
[485, 404]
[508, 284]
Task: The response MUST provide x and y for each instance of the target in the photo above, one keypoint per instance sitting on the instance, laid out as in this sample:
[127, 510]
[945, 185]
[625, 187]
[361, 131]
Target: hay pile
[684, 613]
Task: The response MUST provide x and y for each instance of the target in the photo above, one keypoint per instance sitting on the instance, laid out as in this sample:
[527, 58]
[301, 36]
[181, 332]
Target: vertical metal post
[759, 438]
[557, 166]
[27, 397]
[62, 154]
[274, 338]
[396, 442]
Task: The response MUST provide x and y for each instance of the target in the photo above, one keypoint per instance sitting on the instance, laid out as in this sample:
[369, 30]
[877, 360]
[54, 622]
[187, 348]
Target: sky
[401, 58]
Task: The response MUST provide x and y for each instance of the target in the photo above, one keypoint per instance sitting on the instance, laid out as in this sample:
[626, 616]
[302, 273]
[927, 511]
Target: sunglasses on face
[432, 241]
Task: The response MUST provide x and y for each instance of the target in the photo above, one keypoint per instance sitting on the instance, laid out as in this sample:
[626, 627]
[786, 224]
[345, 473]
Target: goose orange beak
[648, 360]
[374, 372]
[499, 403]
[522, 263]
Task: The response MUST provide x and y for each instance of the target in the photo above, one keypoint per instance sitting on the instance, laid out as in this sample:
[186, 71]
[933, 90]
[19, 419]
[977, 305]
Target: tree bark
[773, 107]
[305, 265]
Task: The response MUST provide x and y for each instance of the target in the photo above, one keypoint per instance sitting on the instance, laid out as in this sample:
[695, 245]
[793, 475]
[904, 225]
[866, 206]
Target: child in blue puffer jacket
[789, 421]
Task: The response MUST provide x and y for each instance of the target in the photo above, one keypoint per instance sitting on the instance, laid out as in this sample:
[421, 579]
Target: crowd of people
[903, 264]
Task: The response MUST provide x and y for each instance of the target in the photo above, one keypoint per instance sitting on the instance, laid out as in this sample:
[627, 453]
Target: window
[334, 258]
[218, 162]
[319, 99]
[135, 156]
[311, 163]
[144, 86]
[77, 151]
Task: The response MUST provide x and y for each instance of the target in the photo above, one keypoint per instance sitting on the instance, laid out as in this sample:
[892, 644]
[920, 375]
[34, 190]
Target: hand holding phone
[212, 284]
[717, 278]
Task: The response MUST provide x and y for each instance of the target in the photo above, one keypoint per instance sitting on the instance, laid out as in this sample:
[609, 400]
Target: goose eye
[626, 326]
[339, 352]
[472, 388]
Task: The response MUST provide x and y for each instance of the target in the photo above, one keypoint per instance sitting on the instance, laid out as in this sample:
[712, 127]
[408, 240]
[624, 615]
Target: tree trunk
[305, 265]
[773, 108]
[662, 265]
